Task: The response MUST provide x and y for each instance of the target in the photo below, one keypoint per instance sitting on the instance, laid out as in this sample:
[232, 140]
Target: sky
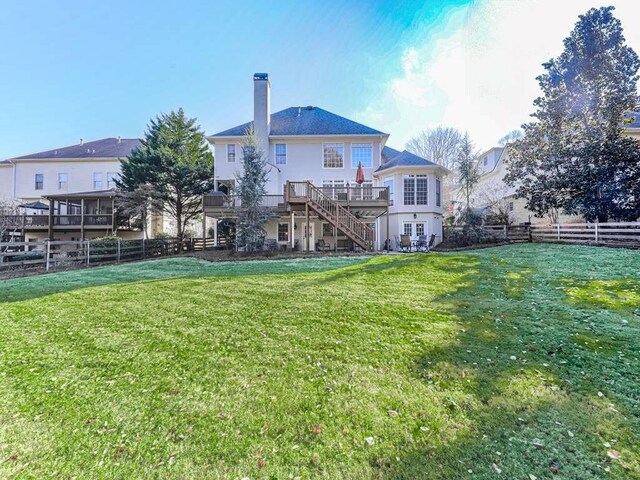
[91, 69]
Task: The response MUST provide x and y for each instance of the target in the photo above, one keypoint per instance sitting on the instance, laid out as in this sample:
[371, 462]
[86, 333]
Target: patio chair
[432, 242]
[405, 243]
[322, 246]
[422, 245]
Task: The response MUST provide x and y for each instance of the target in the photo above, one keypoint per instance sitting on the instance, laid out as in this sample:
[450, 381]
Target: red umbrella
[360, 174]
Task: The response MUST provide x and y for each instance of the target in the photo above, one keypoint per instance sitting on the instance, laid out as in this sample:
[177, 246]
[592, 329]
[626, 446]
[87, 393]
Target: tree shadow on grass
[518, 401]
[28, 288]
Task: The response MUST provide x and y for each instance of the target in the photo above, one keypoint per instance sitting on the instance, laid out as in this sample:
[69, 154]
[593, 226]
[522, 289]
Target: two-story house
[313, 157]
[67, 193]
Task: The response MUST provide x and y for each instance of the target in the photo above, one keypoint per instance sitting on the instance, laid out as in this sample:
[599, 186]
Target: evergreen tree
[175, 159]
[467, 167]
[252, 181]
[574, 158]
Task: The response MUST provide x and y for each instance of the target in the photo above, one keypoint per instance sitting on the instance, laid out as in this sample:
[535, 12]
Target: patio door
[414, 229]
[303, 237]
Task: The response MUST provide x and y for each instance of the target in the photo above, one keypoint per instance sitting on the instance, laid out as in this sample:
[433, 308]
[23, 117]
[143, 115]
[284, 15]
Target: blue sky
[92, 69]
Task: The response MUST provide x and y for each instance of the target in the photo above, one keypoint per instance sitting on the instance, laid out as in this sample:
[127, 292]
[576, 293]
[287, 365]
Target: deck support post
[81, 219]
[215, 232]
[204, 231]
[292, 235]
[48, 250]
[306, 212]
[50, 233]
[388, 240]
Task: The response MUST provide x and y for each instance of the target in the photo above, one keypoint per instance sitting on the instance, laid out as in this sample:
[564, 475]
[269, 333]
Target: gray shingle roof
[306, 121]
[636, 120]
[395, 158]
[104, 148]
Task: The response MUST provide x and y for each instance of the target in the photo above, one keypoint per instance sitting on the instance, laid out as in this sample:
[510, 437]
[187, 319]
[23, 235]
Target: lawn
[516, 362]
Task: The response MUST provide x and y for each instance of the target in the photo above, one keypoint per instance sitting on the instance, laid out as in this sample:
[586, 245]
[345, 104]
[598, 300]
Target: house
[492, 190]
[313, 156]
[67, 193]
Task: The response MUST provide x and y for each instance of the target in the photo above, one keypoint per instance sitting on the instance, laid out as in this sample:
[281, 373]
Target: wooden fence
[47, 255]
[615, 233]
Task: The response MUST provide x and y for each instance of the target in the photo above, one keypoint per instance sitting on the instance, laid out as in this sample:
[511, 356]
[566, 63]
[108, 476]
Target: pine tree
[175, 159]
[252, 181]
[574, 158]
[467, 167]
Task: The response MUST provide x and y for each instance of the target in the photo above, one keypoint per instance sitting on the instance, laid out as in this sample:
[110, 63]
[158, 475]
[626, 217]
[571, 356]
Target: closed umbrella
[360, 174]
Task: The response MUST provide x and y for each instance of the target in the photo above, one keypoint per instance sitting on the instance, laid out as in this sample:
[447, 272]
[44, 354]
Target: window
[414, 229]
[333, 155]
[62, 181]
[485, 161]
[407, 229]
[231, 152]
[281, 154]
[97, 180]
[39, 181]
[416, 190]
[511, 206]
[419, 229]
[388, 182]
[438, 193]
[111, 179]
[327, 230]
[283, 232]
[362, 153]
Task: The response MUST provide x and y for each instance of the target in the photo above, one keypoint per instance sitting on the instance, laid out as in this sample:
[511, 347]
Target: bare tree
[8, 219]
[495, 197]
[139, 204]
[510, 137]
[467, 167]
[440, 145]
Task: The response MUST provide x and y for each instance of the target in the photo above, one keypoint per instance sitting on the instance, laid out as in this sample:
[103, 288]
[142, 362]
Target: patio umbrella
[360, 174]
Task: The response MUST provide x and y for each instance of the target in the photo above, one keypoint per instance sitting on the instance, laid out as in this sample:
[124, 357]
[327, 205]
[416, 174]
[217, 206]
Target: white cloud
[475, 70]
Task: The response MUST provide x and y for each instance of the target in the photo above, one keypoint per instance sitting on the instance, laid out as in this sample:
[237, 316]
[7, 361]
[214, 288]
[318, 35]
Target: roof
[104, 148]
[37, 205]
[395, 158]
[110, 193]
[636, 120]
[305, 121]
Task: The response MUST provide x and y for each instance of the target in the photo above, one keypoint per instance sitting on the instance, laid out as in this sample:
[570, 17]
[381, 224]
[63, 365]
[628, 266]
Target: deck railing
[234, 201]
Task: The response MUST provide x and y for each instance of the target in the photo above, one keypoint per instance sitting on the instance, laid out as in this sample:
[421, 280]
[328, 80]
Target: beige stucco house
[492, 166]
[67, 193]
[313, 157]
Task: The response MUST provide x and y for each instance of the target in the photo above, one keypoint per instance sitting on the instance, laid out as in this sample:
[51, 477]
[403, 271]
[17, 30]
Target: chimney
[119, 139]
[262, 110]
[81, 141]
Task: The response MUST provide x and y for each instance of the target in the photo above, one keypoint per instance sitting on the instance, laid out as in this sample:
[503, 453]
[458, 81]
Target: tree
[139, 204]
[440, 145]
[573, 158]
[174, 157]
[510, 137]
[467, 167]
[8, 219]
[495, 198]
[252, 181]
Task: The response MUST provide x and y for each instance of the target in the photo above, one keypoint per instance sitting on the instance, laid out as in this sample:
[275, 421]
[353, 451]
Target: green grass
[506, 359]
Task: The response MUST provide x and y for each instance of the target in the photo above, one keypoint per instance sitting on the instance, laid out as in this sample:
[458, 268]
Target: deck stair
[305, 193]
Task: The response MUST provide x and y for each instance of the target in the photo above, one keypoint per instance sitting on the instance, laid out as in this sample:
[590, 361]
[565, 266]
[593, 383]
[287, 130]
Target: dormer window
[231, 152]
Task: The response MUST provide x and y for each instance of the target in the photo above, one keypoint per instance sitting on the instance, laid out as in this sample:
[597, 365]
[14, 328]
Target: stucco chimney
[262, 110]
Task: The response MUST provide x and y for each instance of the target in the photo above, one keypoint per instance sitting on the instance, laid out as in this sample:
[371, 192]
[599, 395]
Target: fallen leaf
[614, 454]
[261, 464]
[317, 429]
[316, 457]
[392, 413]
[370, 441]
[554, 467]
[496, 468]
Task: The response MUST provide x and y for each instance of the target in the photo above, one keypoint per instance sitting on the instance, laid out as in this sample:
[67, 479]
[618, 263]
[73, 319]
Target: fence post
[505, 231]
[48, 249]
[558, 226]
[88, 251]
[144, 251]
[596, 232]
[118, 252]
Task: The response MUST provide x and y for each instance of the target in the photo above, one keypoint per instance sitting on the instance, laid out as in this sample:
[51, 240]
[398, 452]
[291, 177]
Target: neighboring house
[491, 189]
[313, 156]
[67, 193]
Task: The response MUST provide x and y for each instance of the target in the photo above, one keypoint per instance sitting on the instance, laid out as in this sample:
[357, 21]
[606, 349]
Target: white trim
[235, 153]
